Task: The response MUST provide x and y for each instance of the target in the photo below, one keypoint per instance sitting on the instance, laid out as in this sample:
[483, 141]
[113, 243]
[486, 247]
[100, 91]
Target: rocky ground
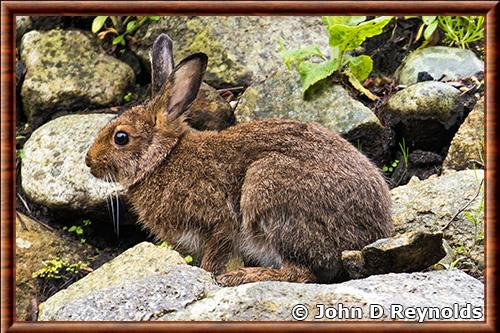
[427, 136]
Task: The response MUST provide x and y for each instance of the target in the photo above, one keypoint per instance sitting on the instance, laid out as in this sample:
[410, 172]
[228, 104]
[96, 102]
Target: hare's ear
[162, 62]
[184, 83]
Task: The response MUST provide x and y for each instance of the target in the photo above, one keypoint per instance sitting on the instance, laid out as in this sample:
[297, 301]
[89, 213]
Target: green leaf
[428, 19]
[361, 66]
[131, 26]
[119, 40]
[311, 73]
[349, 37]
[345, 20]
[188, 259]
[20, 153]
[429, 30]
[358, 86]
[98, 23]
[128, 97]
[154, 18]
[297, 56]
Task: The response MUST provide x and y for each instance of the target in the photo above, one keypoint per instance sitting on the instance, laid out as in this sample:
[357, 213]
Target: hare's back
[319, 192]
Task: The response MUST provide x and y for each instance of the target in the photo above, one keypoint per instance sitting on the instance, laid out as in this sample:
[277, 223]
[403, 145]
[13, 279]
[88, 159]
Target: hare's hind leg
[289, 272]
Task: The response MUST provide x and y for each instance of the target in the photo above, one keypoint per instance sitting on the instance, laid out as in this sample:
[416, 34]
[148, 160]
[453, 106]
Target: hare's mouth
[100, 174]
[95, 172]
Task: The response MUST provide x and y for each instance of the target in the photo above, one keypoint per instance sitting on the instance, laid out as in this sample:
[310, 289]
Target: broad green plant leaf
[98, 23]
[154, 18]
[429, 30]
[291, 57]
[428, 19]
[349, 37]
[345, 20]
[311, 73]
[361, 66]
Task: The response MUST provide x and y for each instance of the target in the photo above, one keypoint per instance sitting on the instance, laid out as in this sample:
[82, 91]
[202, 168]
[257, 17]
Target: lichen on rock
[66, 70]
[467, 147]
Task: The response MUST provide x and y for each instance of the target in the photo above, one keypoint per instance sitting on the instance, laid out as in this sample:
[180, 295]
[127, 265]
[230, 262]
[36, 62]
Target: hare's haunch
[287, 196]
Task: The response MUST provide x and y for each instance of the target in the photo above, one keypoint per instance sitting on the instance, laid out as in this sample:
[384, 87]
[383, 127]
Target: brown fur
[287, 196]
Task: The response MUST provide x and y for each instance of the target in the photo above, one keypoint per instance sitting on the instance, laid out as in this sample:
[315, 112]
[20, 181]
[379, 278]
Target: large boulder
[152, 283]
[467, 147]
[36, 243]
[432, 203]
[280, 96]
[53, 168]
[67, 70]
[238, 50]
[145, 266]
[278, 300]
[424, 114]
[439, 61]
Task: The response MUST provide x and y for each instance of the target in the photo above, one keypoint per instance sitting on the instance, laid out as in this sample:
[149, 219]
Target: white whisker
[117, 217]
[112, 206]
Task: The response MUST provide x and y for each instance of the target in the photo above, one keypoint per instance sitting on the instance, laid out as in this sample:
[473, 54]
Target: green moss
[56, 268]
[222, 67]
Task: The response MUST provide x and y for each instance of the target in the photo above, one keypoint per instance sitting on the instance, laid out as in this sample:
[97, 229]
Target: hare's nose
[87, 160]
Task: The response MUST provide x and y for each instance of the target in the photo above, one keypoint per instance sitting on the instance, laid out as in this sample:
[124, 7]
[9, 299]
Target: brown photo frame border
[9, 9]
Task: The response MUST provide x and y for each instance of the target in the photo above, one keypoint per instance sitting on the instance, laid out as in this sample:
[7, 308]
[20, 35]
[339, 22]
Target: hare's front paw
[235, 278]
[242, 275]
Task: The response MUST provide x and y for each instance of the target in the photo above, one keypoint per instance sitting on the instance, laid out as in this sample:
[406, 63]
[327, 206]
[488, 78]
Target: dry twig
[464, 207]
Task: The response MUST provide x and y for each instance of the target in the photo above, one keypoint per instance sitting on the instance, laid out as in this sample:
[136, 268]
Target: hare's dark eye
[121, 138]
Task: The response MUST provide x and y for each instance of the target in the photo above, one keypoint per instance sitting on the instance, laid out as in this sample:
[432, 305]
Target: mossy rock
[36, 243]
[67, 70]
[424, 114]
[241, 49]
[467, 147]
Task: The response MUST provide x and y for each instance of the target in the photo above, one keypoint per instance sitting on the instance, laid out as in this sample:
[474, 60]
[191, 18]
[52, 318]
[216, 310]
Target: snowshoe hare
[286, 196]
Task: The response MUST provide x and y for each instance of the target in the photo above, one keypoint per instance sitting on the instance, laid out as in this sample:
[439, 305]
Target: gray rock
[430, 204]
[424, 113]
[453, 63]
[409, 252]
[53, 168]
[467, 146]
[275, 300]
[66, 70]
[280, 96]
[146, 299]
[238, 50]
[144, 270]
